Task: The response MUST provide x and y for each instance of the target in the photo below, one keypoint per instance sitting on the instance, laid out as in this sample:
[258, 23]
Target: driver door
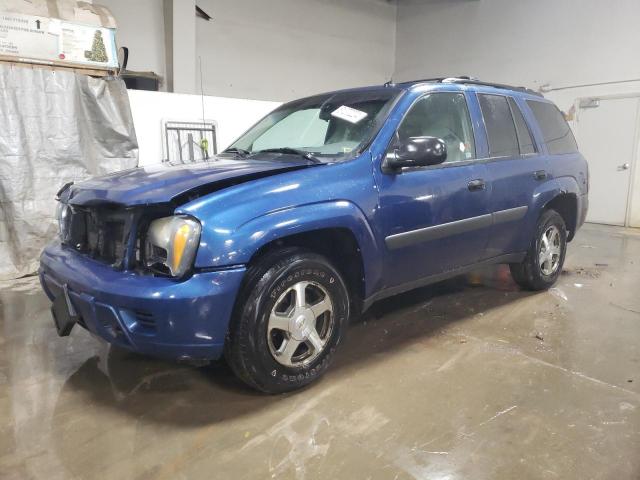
[436, 218]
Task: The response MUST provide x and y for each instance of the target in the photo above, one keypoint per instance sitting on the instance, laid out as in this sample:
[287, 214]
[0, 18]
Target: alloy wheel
[550, 250]
[300, 324]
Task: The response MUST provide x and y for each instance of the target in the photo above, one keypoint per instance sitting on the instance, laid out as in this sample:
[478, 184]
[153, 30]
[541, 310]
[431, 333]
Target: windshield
[329, 127]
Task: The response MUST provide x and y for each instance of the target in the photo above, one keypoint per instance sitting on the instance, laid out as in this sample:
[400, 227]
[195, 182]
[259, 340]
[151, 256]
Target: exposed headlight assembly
[171, 244]
[63, 215]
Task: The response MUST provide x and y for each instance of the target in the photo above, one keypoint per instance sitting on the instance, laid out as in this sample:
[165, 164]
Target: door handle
[624, 166]
[540, 174]
[475, 185]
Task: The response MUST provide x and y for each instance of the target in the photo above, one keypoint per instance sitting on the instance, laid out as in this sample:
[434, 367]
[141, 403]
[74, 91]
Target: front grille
[101, 233]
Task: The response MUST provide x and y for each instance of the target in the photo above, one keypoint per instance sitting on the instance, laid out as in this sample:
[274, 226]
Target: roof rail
[474, 81]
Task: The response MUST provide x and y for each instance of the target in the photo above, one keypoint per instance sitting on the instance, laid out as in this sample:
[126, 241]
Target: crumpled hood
[161, 184]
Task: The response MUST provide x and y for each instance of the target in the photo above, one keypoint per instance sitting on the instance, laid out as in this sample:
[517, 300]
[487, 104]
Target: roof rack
[474, 81]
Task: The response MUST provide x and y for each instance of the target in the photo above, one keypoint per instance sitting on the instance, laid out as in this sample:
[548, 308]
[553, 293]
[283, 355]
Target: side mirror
[416, 152]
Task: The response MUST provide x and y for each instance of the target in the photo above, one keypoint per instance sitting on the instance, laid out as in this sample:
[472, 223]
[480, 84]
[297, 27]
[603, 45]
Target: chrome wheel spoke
[278, 321]
[545, 242]
[287, 349]
[315, 340]
[321, 307]
[301, 294]
[542, 258]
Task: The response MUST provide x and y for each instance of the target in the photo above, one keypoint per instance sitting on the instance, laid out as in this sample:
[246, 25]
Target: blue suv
[326, 205]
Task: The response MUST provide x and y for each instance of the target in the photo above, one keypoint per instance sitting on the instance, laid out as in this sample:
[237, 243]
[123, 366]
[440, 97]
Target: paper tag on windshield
[349, 114]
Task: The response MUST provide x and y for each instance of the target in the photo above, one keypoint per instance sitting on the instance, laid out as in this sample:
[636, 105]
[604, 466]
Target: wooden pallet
[55, 66]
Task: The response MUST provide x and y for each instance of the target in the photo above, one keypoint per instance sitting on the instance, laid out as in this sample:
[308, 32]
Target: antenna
[204, 143]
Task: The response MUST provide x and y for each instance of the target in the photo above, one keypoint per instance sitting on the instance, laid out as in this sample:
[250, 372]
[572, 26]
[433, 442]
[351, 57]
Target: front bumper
[152, 315]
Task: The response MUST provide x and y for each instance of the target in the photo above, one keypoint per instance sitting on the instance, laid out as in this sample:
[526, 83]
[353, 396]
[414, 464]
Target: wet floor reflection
[469, 378]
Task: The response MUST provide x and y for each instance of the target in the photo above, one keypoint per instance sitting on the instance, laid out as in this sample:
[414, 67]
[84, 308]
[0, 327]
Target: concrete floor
[468, 379]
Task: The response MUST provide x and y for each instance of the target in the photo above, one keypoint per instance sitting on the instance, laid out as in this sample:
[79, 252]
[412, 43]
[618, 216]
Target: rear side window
[555, 131]
[524, 137]
[501, 130]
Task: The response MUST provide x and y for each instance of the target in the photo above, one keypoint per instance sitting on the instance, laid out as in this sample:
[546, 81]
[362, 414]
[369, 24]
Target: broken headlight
[171, 244]
[63, 216]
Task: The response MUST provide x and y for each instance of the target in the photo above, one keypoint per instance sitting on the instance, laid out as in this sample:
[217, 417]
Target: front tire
[543, 264]
[288, 321]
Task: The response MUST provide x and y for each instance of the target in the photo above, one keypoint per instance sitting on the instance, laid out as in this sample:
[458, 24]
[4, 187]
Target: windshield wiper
[239, 151]
[291, 151]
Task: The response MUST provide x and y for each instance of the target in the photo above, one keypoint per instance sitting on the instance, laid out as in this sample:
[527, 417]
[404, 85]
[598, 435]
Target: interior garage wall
[569, 49]
[568, 98]
[266, 50]
[283, 49]
[141, 29]
[519, 41]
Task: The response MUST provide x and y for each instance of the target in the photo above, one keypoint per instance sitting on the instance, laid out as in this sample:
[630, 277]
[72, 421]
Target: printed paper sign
[349, 114]
[83, 44]
[29, 37]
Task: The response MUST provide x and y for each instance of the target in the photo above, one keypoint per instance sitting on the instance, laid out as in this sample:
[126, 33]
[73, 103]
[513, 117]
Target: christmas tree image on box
[98, 52]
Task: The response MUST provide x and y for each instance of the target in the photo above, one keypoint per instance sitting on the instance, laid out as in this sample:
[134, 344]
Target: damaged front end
[110, 233]
[125, 273]
[126, 220]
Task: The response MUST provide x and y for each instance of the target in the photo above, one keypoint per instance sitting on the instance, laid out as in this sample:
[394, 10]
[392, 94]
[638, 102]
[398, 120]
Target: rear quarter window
[524, 137]
[556, 132]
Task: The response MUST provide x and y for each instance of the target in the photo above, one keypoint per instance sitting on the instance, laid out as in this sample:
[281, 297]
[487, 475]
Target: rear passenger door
[515, 168]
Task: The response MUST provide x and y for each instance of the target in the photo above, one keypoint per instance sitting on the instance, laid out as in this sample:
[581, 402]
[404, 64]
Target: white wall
[141, 28]
[284, 49]
[544, 43]
[150, 109]
[561, 42]
[267, 50]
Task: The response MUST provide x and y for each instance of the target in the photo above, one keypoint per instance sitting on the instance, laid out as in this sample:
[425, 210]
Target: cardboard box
[58, 32]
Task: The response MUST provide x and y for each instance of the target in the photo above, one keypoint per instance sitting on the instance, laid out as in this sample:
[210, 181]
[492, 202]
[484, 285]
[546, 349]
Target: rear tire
[544, 260]
[288, 321]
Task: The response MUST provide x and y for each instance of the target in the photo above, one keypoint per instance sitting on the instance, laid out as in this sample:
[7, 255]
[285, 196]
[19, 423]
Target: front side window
[334, 126]
[555, 131]
[443, 115]
[501, 131]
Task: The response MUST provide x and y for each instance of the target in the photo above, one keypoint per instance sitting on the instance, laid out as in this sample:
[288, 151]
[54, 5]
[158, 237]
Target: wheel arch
[339, 245]
[566, 204]
[338, 230]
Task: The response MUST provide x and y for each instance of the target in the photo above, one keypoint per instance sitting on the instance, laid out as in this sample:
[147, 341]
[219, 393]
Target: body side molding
[509, 215]
[412, 237]
[405, 239]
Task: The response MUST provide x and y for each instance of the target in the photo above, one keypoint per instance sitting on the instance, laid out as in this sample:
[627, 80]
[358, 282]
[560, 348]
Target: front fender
[221, 248]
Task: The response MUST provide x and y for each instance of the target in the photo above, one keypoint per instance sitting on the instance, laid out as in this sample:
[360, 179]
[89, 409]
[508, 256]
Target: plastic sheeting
[55, 127]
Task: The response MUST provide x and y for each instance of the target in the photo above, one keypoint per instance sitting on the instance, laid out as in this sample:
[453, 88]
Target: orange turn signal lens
[179, 243]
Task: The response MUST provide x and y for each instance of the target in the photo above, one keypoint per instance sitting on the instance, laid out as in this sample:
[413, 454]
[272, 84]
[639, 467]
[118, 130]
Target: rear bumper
[151, 315]
[583, 208]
